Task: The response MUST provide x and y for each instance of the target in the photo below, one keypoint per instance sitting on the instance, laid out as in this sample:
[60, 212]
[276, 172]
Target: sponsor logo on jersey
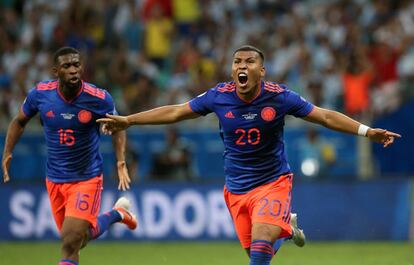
[84, 116]
[249, 116]
[268, 114]
[50, 114]
[67, 116]
[229, 115]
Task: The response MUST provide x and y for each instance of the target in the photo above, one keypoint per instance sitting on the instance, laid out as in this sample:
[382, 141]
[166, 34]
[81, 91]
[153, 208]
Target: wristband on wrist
[362, 130]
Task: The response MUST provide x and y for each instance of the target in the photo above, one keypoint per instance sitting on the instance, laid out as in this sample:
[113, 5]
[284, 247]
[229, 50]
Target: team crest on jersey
[229, 115]
[67, 116]
[268, 114]
[249, 116]
[84, 116]
[50, 114]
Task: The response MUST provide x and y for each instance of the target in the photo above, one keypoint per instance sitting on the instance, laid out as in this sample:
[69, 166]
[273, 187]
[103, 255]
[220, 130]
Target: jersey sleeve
[108, 106]
[29, 106]
[204, 103]
[297, 105]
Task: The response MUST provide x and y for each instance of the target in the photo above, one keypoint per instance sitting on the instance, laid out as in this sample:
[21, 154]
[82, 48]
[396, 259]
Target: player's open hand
[113, 123]
[384, 137]
[5, 164]
[123, 176]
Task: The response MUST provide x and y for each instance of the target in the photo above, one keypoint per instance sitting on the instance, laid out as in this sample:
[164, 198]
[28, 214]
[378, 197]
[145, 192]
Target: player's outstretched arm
[119, 143]
[340, 122]
[162, 115]
[15, 130]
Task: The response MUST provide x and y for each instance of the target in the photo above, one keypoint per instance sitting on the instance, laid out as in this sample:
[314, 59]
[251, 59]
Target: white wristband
[363, 129]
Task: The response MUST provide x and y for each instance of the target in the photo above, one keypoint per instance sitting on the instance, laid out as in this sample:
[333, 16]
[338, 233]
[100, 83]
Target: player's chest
[263, 117]
[66, 116]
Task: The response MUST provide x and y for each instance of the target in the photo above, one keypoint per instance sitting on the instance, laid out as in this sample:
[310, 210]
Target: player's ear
[55, 71]
[262, 72]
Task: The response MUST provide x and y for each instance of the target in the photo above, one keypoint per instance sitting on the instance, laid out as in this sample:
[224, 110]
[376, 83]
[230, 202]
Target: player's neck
[250, 95]
[69, 92]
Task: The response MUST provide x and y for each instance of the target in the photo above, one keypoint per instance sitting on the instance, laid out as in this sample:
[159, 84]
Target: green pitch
[176, 253]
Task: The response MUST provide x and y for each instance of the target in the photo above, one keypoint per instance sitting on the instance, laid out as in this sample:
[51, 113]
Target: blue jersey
[252, 132]
[70, 128]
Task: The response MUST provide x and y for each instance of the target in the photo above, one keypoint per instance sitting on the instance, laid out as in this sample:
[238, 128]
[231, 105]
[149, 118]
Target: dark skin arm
[119, 143]
[14, 131]
[162, 115]
[340, 122]
[174, 113]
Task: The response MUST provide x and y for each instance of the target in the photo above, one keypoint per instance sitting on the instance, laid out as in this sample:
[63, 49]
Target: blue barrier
[377, 210]
[206, 148]
[398, 158]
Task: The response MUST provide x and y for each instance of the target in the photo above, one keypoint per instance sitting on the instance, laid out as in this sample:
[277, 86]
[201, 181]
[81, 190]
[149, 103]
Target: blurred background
[356, 57]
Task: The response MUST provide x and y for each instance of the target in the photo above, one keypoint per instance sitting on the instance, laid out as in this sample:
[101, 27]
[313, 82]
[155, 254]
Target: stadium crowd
[353, 56]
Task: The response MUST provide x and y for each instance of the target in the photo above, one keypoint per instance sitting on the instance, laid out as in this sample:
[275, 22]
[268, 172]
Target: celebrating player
[258, 180]
[68, 110]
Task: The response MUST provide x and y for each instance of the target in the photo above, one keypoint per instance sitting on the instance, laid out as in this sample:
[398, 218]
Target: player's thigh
[241, 217]
[243, 227]
[271, 205]
[264, 231]
[75, 230]
[84, 200]
[57, 202]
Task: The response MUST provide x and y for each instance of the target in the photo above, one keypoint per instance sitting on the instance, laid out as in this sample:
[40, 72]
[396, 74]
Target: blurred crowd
[353, 56]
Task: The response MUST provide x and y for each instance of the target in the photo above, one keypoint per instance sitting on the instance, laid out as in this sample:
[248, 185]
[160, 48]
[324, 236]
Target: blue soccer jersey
[252, 132]
[70, 128]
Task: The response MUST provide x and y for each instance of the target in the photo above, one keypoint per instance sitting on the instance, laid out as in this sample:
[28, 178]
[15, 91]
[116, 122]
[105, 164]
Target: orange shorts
[269, 203]
[80, 199]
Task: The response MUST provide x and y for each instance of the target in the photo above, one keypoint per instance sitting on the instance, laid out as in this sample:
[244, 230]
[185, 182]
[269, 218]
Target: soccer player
[68, 108]
[258, 179]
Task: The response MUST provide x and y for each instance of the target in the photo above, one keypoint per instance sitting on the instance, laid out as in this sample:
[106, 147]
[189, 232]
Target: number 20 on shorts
[273, 208]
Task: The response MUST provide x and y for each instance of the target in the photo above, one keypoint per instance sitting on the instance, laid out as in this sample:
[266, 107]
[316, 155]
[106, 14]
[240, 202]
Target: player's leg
[271, 219]
[81, 211]
[241, 218]
[85, 202]
[57, 196]
[120, 213]
[261, 248]
[57, 202]
[73, 235]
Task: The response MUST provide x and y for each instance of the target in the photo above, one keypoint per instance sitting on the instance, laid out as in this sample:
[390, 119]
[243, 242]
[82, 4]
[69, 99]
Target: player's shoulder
[95, 92]
[47, 85]
[274, 88]
[219, 89]
[225, 87]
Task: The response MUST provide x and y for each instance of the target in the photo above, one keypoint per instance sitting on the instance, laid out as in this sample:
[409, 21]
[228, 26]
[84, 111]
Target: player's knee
[265, 232]
[72, 241]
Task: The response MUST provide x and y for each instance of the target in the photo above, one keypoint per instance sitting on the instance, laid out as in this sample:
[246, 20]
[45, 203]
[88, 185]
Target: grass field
[175, 253]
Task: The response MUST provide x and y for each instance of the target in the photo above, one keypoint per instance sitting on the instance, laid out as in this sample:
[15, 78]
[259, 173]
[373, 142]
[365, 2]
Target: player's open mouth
[242, 78]
[74, 79]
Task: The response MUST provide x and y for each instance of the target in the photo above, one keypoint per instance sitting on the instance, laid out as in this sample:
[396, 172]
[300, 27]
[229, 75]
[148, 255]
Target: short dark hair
[250, 48]
[64, 51]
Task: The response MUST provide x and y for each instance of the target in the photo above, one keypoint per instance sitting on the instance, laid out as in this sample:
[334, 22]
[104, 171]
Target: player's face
[247, 72]
[69, 69]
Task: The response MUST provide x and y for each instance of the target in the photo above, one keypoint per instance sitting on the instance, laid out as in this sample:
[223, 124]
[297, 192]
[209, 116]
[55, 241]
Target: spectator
[174, 162]
[317, 155]
[356, 83]
[123, 39]
[158, 37]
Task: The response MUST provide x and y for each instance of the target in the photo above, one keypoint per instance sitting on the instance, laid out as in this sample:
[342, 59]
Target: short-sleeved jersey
[70, 128]
[252, 132]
